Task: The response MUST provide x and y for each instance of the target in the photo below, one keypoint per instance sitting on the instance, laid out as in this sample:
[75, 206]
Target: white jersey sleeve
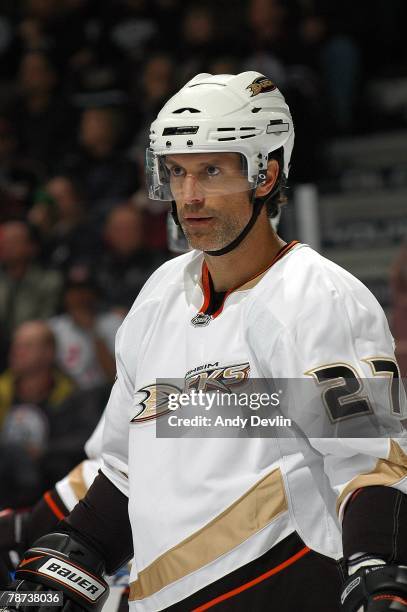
[117, 416]
[93, 447]
[130, 340]
[338, 335]
[107, 326]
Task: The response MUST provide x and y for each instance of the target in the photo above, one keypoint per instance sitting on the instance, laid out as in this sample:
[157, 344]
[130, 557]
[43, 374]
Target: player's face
[212, 197]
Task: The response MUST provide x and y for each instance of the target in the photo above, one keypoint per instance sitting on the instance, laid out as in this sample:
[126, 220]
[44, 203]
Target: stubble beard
[215, 238]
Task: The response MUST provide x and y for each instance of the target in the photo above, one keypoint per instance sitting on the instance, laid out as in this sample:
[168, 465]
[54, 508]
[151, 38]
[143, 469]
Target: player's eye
[177, 171]
[212, 171]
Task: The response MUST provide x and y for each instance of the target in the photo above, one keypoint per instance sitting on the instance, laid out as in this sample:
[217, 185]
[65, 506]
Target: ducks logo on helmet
[261, 85]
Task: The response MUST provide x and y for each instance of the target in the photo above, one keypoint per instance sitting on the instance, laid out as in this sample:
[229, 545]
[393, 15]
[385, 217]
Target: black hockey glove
[20, 528]
[380, 588]
[61, 562]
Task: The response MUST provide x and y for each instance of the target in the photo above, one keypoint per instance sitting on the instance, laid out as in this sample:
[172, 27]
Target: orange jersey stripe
[206, 286]
[52, 505]
[275, 570]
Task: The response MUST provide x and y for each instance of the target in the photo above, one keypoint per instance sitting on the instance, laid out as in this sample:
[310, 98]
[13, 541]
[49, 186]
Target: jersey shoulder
[310, 311]
[169, 273]
[167, 282]
[304, 284]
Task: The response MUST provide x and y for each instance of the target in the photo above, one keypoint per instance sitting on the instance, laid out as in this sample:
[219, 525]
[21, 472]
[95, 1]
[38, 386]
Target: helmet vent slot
[247, 136]
[180, 130]
[247, 128]
[256, 109]
[228, 129]
[183, 110]
[228, 138]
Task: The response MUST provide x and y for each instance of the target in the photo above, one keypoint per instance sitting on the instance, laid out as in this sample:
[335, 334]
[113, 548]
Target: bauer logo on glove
[73, 577]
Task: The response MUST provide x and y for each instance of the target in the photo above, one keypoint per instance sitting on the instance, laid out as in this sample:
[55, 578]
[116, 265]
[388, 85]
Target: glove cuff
[361, 561]
[63, 563]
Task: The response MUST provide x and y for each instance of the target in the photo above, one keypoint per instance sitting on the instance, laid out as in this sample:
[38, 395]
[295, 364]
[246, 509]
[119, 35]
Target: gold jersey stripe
[77, 481]
[248, 515]
[386, 472]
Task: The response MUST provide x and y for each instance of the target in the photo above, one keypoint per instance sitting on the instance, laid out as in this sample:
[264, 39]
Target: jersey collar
[211, 304]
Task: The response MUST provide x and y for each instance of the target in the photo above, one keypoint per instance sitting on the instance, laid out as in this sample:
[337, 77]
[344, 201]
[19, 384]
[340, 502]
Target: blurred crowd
[80, 82]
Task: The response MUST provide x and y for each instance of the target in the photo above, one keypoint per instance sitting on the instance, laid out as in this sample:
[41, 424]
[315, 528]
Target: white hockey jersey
[202, 507]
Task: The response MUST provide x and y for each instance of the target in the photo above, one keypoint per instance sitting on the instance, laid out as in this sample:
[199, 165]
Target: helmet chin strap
[257, 204]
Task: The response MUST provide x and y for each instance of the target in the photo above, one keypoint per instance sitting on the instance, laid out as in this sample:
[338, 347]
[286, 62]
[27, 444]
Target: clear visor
[184, 175]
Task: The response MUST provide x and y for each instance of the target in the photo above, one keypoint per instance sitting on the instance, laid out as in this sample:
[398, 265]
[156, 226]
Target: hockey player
[240, 523]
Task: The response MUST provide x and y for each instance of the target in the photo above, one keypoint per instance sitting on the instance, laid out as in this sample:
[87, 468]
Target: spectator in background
[105, 172]
[85, 338]
[155, 215]
[52, 26]
[157, 82]
[129, 28]
[38, 23]
[126, 262]
[42, 117]
[323, 41]
[337, 61]
[267, 38]
[18, 176]
[32, 377]
[148, 96]
[43, 216]
[31, 392]
[198, 43]
[43, 421]
[60, 216]
[27, 291]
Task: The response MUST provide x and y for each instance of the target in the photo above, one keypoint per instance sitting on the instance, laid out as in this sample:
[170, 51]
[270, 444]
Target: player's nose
[191, 190]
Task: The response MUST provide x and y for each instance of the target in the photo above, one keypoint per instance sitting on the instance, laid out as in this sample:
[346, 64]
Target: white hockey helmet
[243, 113]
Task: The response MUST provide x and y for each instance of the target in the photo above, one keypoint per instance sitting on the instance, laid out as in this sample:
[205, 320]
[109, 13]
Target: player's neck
[251, 257]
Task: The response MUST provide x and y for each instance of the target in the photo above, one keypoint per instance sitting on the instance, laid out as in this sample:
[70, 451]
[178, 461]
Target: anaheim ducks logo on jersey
[213, 377]
[152, 400]
[261, 85]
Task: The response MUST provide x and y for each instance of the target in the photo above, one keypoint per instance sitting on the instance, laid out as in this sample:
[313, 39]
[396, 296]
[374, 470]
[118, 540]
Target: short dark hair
[277, 197]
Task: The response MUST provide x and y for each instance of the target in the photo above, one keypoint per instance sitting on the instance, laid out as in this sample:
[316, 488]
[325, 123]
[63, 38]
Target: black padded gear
[61, 562]
[382, 532]
[376, 587]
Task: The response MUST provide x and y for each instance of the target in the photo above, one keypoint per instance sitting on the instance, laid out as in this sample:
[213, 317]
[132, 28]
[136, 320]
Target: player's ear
[272, 174]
